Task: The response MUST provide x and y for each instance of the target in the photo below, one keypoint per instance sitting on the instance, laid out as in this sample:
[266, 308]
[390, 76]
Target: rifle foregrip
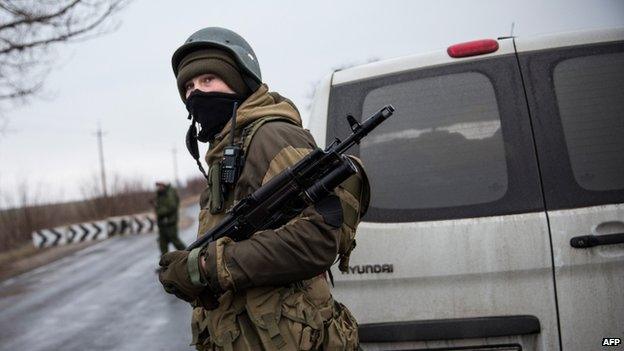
[271, 186]
[330, 181]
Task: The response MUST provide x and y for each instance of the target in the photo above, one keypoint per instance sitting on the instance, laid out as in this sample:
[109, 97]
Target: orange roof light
[472, 48]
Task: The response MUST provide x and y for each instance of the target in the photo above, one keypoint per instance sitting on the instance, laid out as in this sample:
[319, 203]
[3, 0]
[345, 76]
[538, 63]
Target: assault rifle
[286, 195]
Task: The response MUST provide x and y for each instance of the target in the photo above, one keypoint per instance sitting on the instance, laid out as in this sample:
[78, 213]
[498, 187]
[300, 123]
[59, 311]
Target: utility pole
[175, 167]
[99, 135]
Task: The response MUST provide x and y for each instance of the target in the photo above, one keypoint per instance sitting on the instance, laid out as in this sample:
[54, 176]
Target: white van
[497, 213]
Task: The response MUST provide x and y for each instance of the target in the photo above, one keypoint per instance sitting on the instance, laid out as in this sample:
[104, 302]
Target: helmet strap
[192, 145]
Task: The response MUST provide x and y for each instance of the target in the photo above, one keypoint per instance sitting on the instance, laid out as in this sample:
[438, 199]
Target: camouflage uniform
[273, 287]
[167, 204]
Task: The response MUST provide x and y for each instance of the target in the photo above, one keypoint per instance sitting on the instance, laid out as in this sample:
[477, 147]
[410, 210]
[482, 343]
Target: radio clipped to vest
[224, 174]
[231, 164]
[233, 158]
[234, 155]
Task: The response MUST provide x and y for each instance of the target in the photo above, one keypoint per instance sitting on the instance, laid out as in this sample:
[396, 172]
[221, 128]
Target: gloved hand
[176, 279]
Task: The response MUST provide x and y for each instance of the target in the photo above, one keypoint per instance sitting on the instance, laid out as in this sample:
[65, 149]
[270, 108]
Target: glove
[175, 276]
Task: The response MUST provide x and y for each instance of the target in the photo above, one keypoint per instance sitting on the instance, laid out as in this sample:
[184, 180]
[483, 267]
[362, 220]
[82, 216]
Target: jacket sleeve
[301, 249]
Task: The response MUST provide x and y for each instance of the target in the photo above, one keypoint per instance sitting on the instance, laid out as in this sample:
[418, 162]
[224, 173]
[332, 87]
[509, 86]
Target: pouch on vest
[222, 324]
[285, 319]
[215, 201]
[341, 331]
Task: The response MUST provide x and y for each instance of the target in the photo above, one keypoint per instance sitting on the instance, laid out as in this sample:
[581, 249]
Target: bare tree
[31, 29]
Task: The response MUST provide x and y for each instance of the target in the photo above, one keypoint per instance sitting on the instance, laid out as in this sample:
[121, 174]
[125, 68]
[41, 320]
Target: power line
[175, 167]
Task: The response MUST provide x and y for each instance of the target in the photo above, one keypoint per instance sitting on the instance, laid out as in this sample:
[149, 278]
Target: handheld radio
[232, 161]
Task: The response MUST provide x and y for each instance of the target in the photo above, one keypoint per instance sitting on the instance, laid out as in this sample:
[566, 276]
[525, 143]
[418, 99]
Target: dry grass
[26, 257]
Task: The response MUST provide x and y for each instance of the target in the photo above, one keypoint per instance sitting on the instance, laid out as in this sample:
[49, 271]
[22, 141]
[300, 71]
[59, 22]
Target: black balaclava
[212, 111]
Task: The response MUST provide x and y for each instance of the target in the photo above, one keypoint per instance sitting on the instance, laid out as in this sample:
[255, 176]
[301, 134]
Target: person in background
[166, 206]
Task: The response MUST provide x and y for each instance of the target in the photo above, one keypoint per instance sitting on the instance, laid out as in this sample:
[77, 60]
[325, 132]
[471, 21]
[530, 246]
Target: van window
[576, 98]
[590, 97]
[459, 144]
[443, 148]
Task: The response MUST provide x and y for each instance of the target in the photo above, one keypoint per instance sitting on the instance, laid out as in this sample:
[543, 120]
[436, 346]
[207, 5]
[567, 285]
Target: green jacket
[167, 203]
[274, 292]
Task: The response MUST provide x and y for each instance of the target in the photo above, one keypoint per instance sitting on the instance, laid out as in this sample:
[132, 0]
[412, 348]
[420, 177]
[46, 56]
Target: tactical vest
[280, 318]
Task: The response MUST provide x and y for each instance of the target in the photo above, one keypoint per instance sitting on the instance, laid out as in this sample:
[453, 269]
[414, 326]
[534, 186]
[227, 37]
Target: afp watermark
[611, 341]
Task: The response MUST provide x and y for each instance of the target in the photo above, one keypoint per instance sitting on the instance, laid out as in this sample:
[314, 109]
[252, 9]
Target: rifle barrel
[365, 127]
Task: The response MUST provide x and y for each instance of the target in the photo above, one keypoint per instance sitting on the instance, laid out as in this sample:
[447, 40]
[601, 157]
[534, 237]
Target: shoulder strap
[219, 195]
[251, 129]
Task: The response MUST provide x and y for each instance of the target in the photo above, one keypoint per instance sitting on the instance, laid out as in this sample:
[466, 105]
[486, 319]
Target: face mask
[212, 111]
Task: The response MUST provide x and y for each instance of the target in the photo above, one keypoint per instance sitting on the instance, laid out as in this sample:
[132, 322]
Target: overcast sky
[124, 79]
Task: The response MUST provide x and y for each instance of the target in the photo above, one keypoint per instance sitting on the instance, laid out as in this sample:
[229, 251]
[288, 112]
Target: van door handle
[587, 241]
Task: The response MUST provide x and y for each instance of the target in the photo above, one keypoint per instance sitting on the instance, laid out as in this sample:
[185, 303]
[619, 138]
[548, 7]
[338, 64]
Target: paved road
[104, 297]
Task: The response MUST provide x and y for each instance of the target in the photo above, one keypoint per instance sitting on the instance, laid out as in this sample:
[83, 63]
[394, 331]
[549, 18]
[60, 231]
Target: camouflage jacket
[167, 204]
[273, 286]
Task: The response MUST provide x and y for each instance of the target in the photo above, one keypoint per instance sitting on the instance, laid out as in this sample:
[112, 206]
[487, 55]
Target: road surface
[104, 297]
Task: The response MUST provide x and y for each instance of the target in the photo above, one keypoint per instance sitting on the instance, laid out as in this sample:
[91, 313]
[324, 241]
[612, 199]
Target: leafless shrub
[28, 211]
[23, 214]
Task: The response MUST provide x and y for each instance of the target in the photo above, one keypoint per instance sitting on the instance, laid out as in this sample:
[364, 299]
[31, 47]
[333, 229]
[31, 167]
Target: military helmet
[225, 39]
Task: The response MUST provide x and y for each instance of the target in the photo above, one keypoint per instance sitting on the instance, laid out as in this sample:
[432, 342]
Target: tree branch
[29, 20]
[19, 93]
[29, 29]
[9, 7]
[60, 37]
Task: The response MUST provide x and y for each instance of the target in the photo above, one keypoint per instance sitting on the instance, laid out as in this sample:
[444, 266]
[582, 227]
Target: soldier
[269, 292]
[166, 207]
